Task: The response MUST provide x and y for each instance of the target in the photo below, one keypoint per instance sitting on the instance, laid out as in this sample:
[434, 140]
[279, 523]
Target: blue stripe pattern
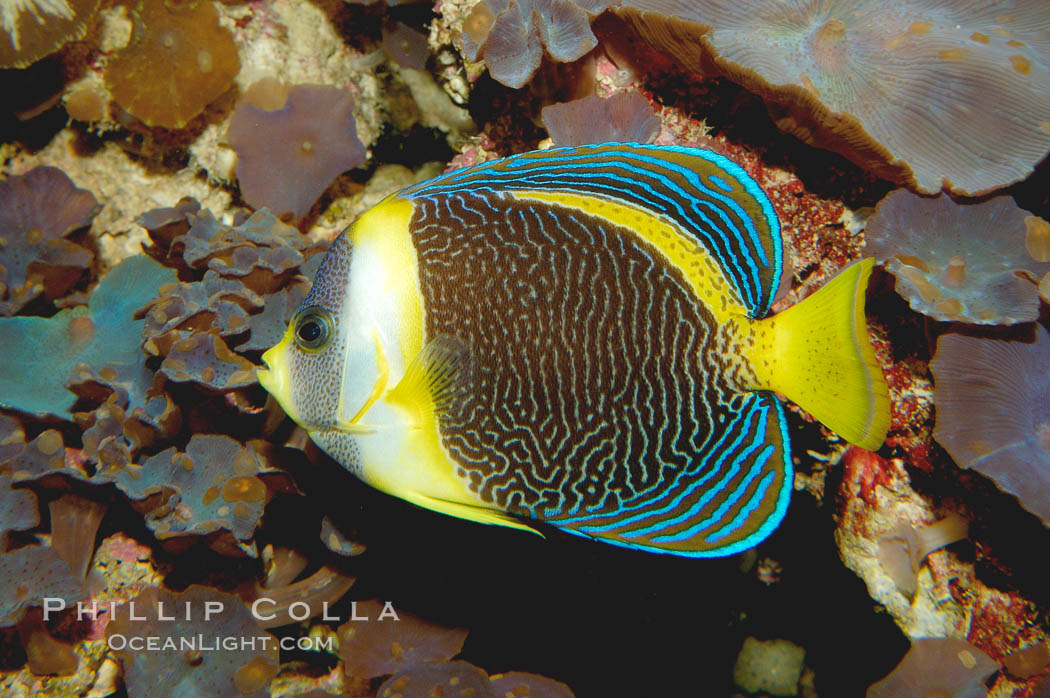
[704, 194]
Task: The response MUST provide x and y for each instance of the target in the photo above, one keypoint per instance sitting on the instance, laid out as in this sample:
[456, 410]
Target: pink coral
[513, 35]
[38, 211]
[937, 666]
[623, 117]
[960, 262]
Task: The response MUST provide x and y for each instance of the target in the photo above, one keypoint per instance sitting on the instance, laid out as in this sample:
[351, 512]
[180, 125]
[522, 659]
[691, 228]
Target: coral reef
[242, 670]
[387, 644]
[103, 338]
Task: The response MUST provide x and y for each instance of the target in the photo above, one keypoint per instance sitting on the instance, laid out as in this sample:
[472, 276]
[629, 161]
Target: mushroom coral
[287, 156]
[389, 643]
[911, 90]
[405, 46]
[461, 679]
[38, 210]
[623, 117]
[512, 35]
[179, 60]
[902, 550]
[938, 666]
[40, 354]
[34, 29]
[992, 399]
[959, 262]
[168, 669]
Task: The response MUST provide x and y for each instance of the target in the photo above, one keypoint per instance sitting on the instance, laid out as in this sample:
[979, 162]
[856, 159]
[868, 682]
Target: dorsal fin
[706, 195]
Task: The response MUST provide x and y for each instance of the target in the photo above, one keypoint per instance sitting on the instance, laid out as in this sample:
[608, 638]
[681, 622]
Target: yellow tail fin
[818, 354]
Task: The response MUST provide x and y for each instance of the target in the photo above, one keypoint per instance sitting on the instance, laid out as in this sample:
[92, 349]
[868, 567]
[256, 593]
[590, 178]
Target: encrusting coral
[288, 152]
[179, 60]
[851, 76]
[104, 337]
[961, 262]
[38, 211]
[993, 411]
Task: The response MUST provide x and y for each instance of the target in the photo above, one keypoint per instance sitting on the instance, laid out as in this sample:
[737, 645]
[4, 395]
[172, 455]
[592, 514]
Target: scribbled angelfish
[574, 336]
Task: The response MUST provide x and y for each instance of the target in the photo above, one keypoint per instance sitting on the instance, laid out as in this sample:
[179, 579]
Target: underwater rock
[993, 411]
[772, 667]
[288, 155]
[38, 210]
[960, 262]
[179, 60]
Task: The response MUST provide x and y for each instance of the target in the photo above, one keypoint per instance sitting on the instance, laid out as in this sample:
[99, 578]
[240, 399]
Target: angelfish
[578, 336]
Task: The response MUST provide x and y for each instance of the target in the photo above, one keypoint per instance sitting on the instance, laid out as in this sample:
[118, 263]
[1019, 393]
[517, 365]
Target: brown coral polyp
[179, 61]
[32, 30]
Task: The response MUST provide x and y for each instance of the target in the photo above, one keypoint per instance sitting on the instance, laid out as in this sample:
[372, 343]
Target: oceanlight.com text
[211, 643]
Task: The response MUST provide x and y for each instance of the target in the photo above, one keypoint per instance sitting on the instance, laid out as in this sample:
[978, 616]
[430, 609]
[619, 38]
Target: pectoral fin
[435, 381]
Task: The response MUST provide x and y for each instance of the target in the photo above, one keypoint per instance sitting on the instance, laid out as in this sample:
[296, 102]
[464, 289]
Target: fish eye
[313, 329]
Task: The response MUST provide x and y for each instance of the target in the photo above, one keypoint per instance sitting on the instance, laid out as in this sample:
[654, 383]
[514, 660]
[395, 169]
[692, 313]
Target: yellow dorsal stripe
[700, 269]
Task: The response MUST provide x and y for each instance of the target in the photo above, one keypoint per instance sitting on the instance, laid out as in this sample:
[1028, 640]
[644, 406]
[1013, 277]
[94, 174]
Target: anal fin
[469, 512]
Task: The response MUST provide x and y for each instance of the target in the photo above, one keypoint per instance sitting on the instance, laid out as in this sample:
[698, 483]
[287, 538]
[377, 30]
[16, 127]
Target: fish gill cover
[153, 468]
